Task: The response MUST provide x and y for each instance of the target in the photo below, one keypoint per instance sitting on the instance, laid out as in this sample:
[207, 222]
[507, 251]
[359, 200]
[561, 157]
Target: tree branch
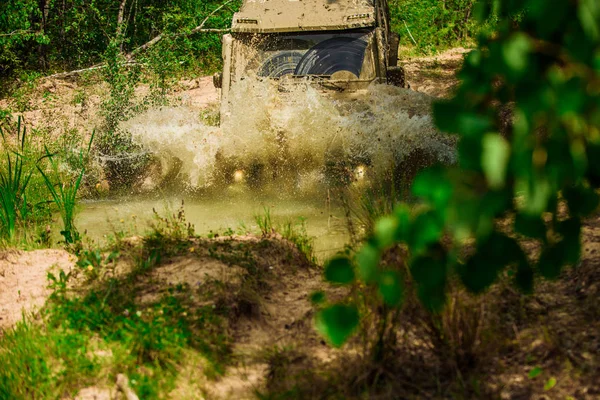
[199, 28]
[15, 33]
[130, 56]
[63, 75]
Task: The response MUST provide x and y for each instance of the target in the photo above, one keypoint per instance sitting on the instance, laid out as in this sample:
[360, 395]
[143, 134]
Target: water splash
[299, 131]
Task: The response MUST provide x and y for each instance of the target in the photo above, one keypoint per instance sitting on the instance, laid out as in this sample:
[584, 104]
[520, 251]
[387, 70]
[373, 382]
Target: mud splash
[293, 133]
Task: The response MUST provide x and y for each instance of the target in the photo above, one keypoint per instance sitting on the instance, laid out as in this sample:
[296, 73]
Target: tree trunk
[121, 25]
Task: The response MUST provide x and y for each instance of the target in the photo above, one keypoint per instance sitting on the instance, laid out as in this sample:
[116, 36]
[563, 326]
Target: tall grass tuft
[64, 194]
[13, 183]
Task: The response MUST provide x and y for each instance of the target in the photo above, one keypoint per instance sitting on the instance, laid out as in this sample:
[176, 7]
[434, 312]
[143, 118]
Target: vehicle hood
[263, 16]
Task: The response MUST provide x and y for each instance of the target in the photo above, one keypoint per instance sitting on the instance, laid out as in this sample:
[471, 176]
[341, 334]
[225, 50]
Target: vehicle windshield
[343, 55]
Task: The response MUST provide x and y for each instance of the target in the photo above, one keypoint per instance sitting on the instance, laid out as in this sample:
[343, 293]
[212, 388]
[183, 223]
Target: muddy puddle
[224, 215]
[294, 143]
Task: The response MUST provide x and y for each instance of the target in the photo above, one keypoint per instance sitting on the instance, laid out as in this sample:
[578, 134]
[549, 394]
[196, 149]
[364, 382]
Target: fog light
[360, 172]
[238, 176]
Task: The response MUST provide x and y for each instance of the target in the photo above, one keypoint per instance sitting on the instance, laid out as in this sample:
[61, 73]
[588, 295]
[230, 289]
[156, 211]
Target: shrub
[542, 170]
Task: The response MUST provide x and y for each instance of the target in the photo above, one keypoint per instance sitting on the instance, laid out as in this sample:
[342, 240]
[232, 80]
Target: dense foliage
[432, 24]
[64, 35]
[50, 35]
[538, 174]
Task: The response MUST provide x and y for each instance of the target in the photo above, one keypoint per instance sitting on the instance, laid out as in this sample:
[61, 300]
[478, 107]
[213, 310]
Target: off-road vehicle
[338, 45]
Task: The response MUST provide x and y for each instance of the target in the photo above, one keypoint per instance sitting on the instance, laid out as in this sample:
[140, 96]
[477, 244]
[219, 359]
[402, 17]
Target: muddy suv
[339, 46]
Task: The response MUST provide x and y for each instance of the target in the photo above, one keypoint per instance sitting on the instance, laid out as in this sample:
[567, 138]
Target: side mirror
[396, 77]
[218, 80]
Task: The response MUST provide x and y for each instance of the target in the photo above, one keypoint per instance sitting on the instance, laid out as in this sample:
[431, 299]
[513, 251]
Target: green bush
[528, 116]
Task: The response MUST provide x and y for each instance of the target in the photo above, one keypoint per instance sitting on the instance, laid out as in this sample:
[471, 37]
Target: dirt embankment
[55, 106]
[553, 332]
[435, 75]
[276, 348]
[24, 281]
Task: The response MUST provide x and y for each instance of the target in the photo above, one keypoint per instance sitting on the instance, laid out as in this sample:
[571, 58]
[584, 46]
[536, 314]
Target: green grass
[64, 191]
[89, 335]
[14, 178]
[44, 362]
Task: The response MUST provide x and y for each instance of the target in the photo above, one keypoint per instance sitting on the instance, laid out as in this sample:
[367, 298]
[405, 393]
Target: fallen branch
[63, 75]
[15, 33]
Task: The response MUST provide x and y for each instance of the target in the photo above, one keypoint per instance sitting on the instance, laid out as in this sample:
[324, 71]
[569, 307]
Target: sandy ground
[434, 75]
[55, 106]
[24, 281]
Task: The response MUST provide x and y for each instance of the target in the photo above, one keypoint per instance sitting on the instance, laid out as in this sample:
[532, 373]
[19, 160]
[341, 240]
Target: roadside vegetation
[471, 281]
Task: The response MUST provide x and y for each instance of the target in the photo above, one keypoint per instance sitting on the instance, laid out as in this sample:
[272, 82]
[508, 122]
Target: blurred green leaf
[402, 214]
[551, 261]
[515, 51]
[368, 261]
[317, 298]
[433, 184]
[494, 254]
[385, 230]
[582, 200]
[391, 288]
[337, 323]
[524, 277]
[530, 226]
[550, 384]
[426, 229]
[433, 298]
[429, 271]
[535, 372]
[494, 159]
[339, 270]
[570, 230]
[452, 118]
[589, 15]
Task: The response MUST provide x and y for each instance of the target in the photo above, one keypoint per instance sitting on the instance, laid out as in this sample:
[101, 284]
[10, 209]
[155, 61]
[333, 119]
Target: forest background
[41, 37]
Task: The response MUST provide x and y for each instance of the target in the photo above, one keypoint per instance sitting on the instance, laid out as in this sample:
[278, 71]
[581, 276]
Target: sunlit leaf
[494, 159]
[385, 230]
[589, 15]
[550, 384]
[515, 51]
